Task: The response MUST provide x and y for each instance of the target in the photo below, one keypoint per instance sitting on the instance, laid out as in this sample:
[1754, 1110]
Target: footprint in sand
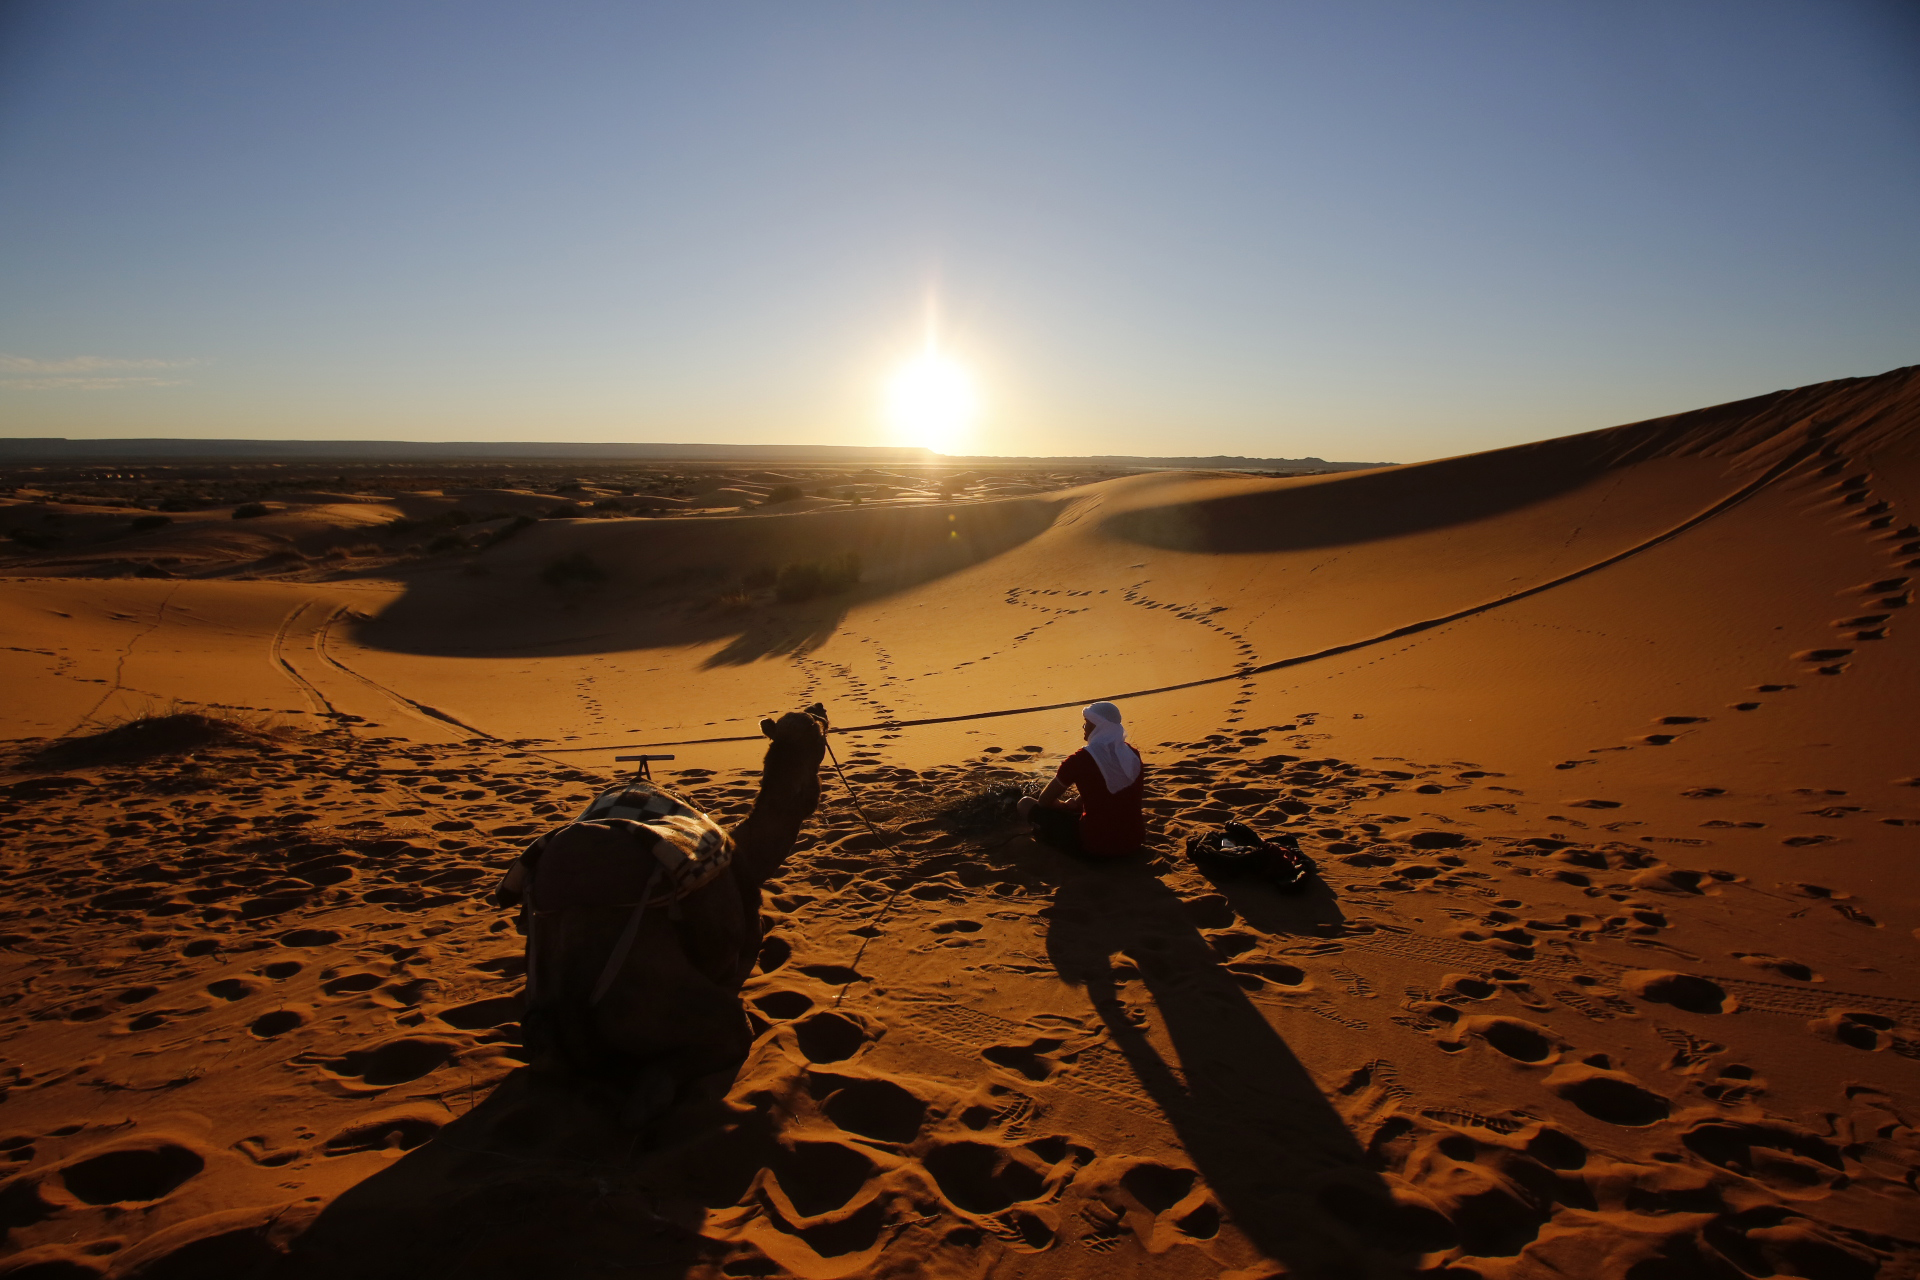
[396, 1062]
[783, 1006]
[401, 1129]
[348, 984]
[981, 1178]
[1778, 964]
[1776, 1154]
[1037, 1059]
[139, 1171]
[1612, 1096]
[276, 1023]
[1858, 1029]
[871, 1107]
[1514, 1038]
[831, 1037]
[817, 1178]
[1681, 990]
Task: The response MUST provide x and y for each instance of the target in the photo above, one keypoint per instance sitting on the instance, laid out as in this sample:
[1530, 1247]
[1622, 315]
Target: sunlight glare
[931, 402]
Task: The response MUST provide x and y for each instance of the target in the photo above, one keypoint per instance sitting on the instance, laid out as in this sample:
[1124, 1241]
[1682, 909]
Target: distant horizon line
[182, 448]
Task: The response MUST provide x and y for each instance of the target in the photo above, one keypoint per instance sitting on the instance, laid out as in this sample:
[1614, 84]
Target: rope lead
[872, 930]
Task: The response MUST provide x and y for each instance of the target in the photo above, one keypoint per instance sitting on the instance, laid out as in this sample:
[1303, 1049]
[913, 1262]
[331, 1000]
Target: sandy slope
[1604, 744]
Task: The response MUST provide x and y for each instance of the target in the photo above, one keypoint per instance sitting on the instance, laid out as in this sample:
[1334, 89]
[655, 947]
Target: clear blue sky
[1357, 229]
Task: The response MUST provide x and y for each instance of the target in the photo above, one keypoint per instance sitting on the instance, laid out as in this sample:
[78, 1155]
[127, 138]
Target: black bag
[1237, 851]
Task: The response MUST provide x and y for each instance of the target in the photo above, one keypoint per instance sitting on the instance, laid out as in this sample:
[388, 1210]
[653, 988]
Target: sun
[931, 401]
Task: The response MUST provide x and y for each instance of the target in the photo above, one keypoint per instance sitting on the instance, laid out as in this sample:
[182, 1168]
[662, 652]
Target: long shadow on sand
[535, 1181]
[794, 634]
[1280, 1158]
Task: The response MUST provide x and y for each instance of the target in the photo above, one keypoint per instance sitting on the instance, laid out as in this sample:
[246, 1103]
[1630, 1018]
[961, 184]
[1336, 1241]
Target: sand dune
[1604, 746]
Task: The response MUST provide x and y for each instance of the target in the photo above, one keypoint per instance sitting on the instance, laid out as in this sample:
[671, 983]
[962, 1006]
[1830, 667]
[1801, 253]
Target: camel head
[808, 726]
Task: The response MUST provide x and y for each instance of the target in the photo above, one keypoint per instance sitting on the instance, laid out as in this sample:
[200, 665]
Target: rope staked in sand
[1734, 499]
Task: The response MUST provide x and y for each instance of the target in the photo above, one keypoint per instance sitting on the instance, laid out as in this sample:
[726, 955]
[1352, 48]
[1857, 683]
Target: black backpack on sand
[1237, 851]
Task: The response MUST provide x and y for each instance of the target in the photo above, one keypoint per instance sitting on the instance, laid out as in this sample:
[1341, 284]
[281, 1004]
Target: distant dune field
[1605, 746]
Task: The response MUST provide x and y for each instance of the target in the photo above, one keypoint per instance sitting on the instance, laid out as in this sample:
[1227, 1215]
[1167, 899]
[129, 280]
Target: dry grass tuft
[153, 734]
[986, 807]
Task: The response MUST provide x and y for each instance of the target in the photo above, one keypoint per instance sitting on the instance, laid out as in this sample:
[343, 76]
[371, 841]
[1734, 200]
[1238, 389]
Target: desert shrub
[453, 519]
[760, 578]
[250, 511]
[565, 511]
[282, 556]
[143, 523]
[578, 569]
[512, 527]
[782, 493]
[805, 579]
[735, 600]
[447, 542]
[32, 540]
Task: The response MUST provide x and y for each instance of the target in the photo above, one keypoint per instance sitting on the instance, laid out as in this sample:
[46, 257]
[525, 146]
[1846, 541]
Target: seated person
[1106, 821]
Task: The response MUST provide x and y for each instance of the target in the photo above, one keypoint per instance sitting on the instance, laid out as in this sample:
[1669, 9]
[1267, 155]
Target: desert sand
[1605, 747]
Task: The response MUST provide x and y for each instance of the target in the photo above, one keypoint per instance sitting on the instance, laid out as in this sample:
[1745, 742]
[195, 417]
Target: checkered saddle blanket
[591, 861]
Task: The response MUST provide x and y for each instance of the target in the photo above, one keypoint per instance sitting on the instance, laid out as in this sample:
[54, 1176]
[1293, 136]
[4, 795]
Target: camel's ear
[818, 712]
[767, 726]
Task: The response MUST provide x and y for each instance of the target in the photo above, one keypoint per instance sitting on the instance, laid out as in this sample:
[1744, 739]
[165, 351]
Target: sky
[1362, 230]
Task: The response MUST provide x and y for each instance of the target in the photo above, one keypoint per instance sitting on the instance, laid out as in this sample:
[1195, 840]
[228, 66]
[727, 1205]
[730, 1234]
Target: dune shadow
[1392, 502]
[1360, 506]
[1280, 1159]
[643, 583]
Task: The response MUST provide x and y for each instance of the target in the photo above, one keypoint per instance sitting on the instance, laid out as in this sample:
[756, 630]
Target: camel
[669, 1010]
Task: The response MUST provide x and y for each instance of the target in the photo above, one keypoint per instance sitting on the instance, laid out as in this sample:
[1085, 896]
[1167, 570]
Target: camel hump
[630, 837]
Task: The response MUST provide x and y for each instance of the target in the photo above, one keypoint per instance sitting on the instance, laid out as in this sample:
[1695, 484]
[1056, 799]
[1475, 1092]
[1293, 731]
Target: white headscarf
[1107, 744]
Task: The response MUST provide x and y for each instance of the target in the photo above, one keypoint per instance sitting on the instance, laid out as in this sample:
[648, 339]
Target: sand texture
[1605, 747]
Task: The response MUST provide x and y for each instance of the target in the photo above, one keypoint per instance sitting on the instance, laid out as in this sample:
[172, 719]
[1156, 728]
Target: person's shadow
[1280, 1159]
